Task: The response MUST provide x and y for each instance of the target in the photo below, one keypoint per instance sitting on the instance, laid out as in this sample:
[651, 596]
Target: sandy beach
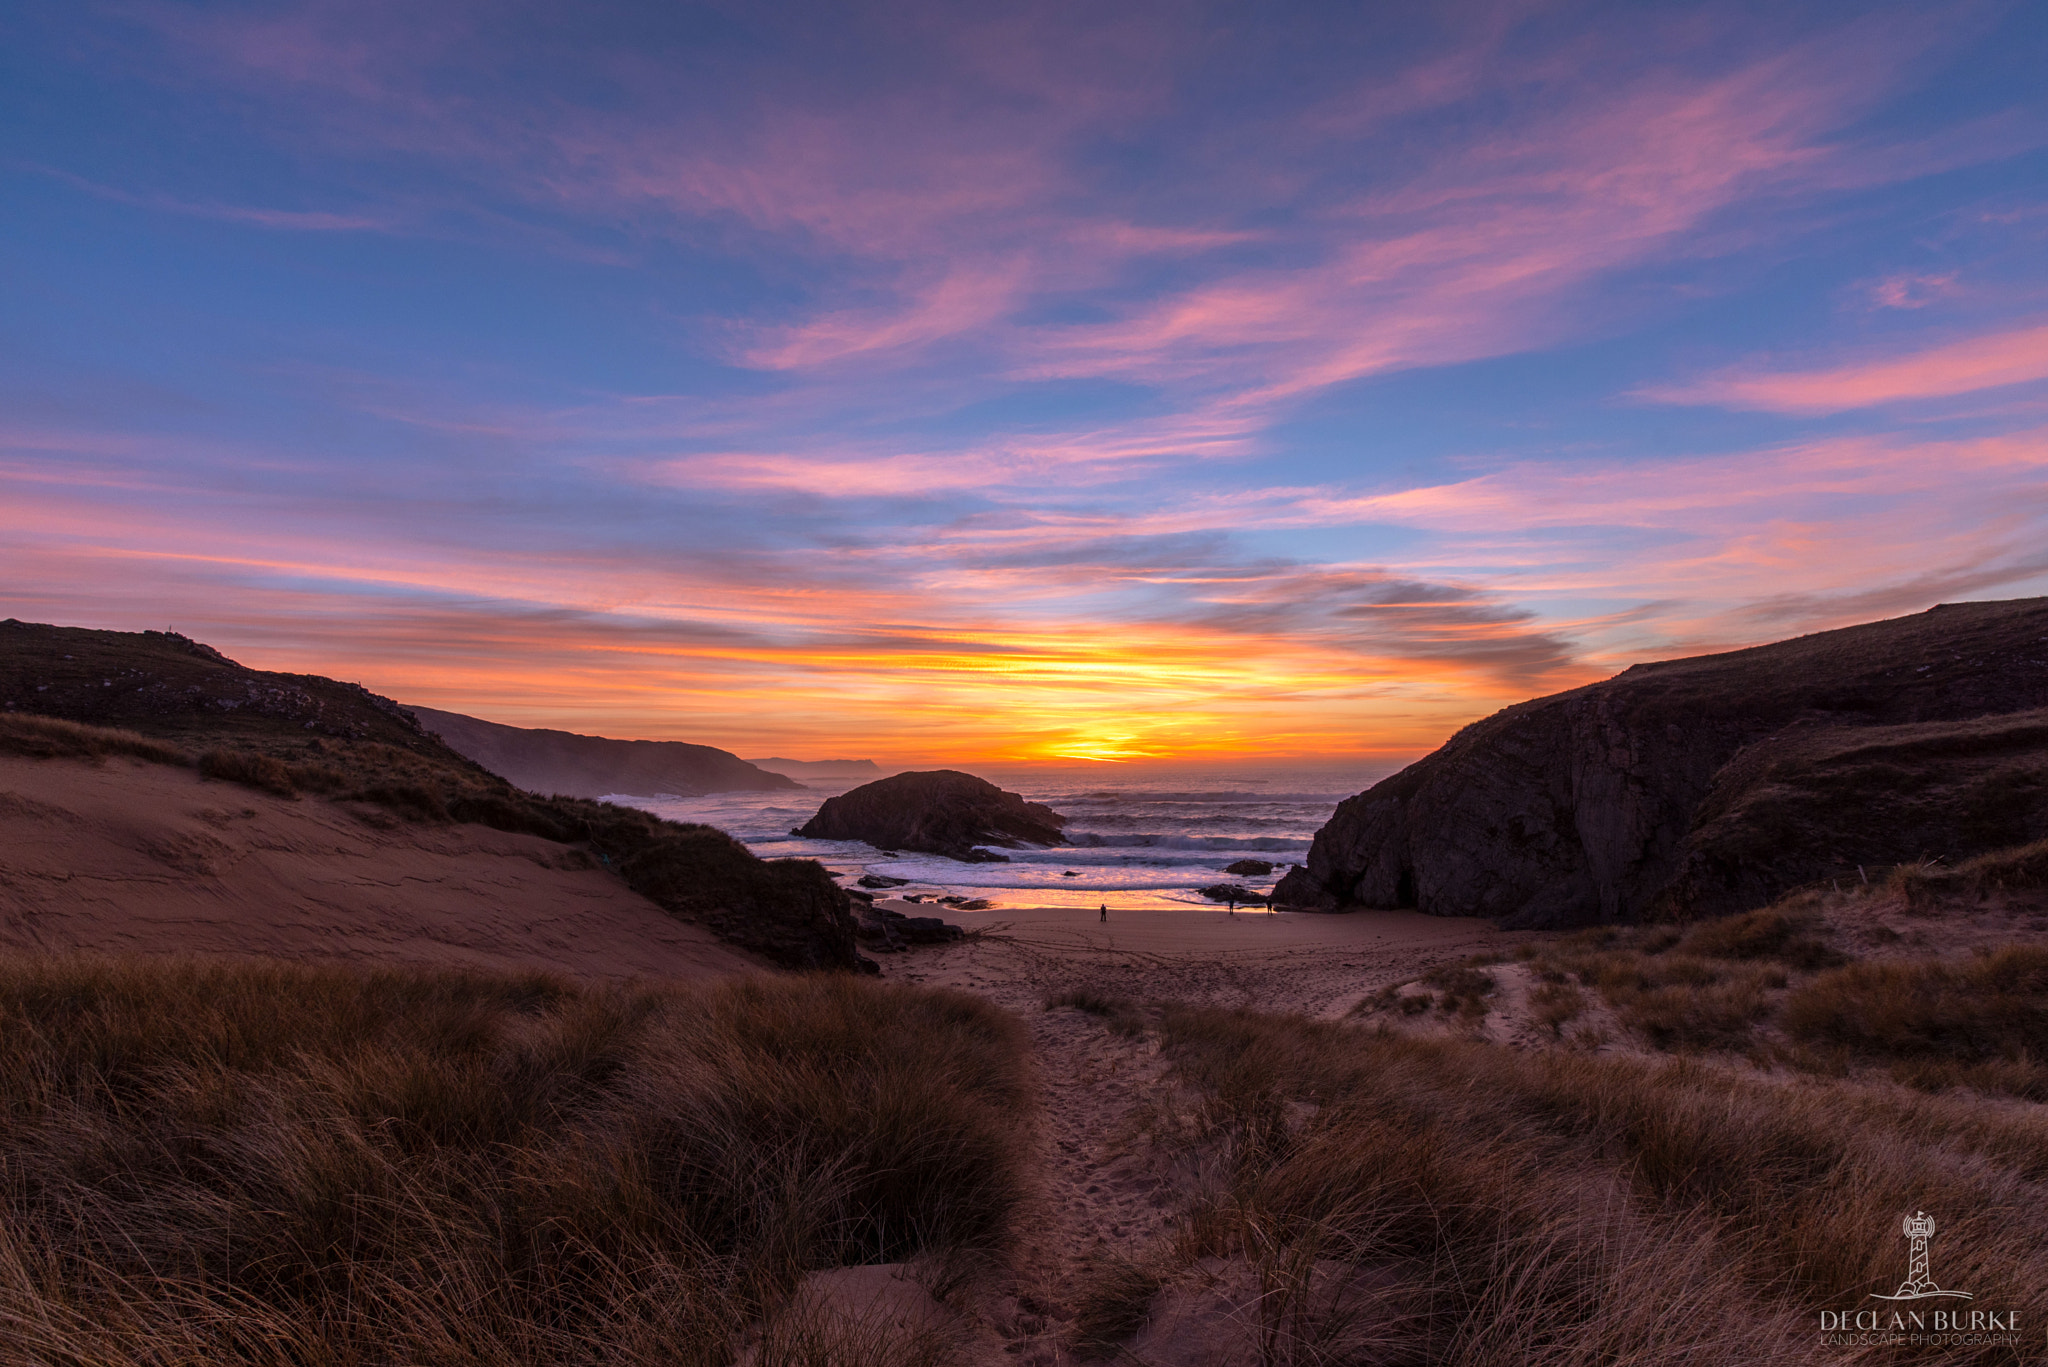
[1291, 961]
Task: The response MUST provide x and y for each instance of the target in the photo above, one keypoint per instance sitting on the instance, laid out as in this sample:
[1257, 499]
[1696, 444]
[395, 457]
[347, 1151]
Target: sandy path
[1108, 1193]
[132, 857]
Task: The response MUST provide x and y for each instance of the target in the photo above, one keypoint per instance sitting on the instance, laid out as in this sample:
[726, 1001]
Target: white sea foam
[1135, 838]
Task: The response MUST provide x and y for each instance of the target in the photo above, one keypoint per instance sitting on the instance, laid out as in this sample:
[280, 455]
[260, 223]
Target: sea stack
[937, 811]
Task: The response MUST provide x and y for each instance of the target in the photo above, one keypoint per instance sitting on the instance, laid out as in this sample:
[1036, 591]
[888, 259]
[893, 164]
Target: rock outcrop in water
[937, 811]
[1714, 784]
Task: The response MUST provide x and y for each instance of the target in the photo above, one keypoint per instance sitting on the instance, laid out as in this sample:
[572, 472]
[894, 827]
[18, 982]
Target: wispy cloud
[1992, 361]
[940, 377]
[250, 215]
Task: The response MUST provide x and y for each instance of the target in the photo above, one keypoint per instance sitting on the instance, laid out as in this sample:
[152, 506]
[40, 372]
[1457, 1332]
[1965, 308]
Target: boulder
[1249, 868]
[1712, 785]
[887, 931]
[940, 811]
[1231, 892]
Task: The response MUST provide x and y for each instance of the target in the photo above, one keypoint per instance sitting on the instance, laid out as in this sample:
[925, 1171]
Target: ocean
[1139, 836]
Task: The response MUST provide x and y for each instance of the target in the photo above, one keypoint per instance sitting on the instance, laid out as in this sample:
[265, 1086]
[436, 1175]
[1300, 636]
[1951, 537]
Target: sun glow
[1103, 749]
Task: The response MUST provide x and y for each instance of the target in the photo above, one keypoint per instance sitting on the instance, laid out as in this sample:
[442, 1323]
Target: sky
[1039, 382]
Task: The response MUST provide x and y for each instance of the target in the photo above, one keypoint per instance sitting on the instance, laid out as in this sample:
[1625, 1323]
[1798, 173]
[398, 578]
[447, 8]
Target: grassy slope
[274, 1164]
[1456, 1202]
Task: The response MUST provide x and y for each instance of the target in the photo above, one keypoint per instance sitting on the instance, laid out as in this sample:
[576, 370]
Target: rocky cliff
[936, 811]
[1713, 784]
[544, 761]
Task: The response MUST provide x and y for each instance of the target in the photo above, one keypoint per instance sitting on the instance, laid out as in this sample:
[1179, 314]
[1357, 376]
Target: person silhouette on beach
[1105, 911]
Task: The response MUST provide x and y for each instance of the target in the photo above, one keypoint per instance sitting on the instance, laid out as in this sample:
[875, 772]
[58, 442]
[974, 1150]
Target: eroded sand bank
[126, 856]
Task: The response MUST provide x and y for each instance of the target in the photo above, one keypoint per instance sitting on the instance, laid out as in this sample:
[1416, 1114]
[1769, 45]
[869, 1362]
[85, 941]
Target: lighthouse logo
[1918, 1285]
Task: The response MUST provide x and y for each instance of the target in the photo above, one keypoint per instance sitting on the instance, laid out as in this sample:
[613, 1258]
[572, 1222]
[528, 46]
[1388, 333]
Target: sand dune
[128, 856]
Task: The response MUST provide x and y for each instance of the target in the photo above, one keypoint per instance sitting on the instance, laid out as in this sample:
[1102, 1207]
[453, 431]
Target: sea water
[1137, 837]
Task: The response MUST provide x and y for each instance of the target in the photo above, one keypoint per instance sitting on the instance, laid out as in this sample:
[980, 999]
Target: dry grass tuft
[1767, 933]
[268, 1163]
[271, 774]
[1118, 1295]
[1981, 1022]
[1556, 1005]
[54, 738]
[1118, 1013]
[1465, 989]
[2021, 868]
[1488, 1206]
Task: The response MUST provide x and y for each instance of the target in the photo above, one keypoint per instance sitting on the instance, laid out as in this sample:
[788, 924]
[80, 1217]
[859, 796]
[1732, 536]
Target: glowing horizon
[1167, 384]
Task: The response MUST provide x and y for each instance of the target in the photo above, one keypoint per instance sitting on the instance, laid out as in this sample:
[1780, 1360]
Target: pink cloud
[966, 298]
[953, 201]
[2014, 357]
[1910, 291]
[1475, 256]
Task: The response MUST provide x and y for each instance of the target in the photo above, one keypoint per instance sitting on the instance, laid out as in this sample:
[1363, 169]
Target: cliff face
[544, 761]
[1714, 784]
[937, 811]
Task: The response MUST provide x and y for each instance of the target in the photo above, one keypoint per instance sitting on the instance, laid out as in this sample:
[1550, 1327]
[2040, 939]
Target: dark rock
[974, 904]
[787, 910]
[928, 930]
[1070, 873]
[1249, 868]
[888, 931]
[1231, 892]
[982, 857]
[1715, 784]
[876, 880]
[940, 811]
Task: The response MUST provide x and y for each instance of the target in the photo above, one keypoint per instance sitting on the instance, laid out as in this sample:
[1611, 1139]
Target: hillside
[1711, 785]
[127, 856]
[169, 686]
[331, 747]
[820, 768]
[543, 761]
